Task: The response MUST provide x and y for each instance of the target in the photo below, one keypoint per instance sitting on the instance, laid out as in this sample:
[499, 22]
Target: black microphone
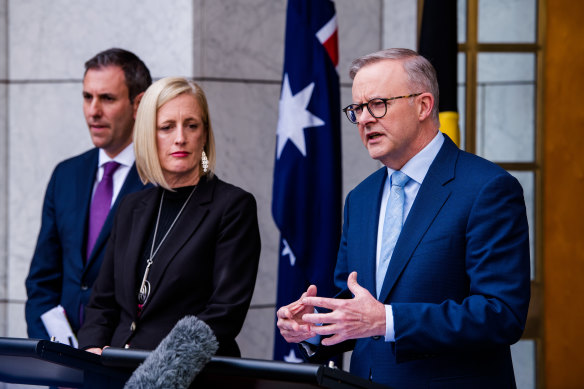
[179, 357]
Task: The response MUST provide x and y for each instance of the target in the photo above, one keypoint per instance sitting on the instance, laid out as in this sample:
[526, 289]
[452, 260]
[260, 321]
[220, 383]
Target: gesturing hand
[359, 317]
[290, 322]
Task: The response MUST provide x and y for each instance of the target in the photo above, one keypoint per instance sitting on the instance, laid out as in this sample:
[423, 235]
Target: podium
[41, 362]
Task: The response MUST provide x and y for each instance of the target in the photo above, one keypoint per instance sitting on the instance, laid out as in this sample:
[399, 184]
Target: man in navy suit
[64, 266]
[455, 293]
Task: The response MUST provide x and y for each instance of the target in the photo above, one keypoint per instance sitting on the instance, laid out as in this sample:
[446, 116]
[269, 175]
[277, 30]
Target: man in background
[83, 194]
[433, 263]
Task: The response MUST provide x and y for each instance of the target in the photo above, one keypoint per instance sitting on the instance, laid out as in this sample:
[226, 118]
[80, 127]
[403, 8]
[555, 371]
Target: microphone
[179, 357]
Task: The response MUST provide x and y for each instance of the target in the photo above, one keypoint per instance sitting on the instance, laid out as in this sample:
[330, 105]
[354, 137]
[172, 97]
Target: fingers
[318, 318]
[322, 302]
[94, 350]
[352, 280]
[344, 314]
[284, 313]
[335, 339]
[354, 286]
[294, 332]
[359, 317]
[290, 322]
[294, 338]
[295, 308]
[292, 326]
[288, 311]
[311, 291]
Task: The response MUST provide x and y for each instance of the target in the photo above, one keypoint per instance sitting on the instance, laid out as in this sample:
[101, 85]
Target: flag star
[288, 251]
[292, 358]
[294, 117]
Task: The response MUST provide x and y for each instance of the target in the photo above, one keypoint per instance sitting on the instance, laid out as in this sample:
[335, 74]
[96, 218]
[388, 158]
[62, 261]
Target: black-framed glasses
[377, 107]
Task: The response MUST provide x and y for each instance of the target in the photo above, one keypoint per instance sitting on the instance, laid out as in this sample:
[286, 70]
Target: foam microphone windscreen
[178, 359]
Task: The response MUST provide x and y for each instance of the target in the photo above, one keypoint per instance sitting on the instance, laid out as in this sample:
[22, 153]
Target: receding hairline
[124, 81]
[377, 61]
[105, 67]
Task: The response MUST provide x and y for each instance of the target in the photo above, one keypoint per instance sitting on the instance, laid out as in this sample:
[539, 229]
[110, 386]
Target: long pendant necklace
[145, 286]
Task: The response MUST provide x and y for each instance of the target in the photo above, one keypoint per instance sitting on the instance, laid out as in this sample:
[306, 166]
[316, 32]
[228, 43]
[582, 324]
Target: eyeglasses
[377, 107]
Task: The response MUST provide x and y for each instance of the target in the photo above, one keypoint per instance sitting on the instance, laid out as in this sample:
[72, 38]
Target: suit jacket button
[133, 326]
[376, 337]
[84, 287]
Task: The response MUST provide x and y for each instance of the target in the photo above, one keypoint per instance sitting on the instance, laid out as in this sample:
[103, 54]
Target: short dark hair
[137, 75]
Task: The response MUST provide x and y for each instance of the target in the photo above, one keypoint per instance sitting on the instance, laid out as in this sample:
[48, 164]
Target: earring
[205, 162]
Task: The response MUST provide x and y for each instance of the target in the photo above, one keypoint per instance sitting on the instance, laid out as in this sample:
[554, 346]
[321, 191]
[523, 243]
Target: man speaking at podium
[433, 262]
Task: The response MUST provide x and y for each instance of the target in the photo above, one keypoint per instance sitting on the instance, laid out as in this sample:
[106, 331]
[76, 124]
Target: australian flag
[307, 176]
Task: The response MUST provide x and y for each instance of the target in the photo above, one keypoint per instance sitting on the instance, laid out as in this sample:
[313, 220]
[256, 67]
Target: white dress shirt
[126, 159]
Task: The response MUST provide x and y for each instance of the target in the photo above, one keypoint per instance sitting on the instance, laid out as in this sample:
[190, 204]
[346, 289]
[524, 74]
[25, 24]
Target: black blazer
[206, 267]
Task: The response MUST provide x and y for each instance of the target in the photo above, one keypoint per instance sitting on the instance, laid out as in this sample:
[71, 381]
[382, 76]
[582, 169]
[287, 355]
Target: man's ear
[136, 103]
[425, 106]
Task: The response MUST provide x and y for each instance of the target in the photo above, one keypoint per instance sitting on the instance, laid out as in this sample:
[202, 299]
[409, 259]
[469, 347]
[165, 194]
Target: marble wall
[3, 164]
[234, 49]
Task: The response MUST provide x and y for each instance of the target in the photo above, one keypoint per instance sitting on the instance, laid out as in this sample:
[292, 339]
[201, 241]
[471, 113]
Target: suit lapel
[369, 229]
[83, 187]
[139, 226]
[431, 197]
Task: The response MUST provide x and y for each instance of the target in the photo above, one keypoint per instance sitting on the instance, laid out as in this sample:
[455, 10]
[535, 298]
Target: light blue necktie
[392, 225]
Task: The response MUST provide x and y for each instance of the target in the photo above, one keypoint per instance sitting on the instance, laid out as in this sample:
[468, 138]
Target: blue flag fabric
[307, 203]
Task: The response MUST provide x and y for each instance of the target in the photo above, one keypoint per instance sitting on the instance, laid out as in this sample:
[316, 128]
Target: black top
[173, 202]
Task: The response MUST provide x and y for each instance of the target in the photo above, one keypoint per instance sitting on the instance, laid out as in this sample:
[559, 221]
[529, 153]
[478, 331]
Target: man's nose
[365, 116]
[95, 108]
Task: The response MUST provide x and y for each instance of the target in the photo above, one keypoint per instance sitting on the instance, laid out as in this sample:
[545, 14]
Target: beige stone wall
[235, 50]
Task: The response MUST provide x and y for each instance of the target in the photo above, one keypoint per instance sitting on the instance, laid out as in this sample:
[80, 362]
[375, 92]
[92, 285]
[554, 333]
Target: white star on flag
[288, 251]
[294, 117]
[292, 358]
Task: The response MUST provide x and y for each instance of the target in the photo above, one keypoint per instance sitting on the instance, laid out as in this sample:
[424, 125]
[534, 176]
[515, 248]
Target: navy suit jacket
[458, 281]
[58, 272]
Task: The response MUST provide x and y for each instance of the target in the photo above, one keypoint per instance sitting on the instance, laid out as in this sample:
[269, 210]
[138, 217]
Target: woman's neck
[178, 181]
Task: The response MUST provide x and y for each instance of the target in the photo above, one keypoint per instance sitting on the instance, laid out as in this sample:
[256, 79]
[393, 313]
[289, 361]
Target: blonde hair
[145, 127]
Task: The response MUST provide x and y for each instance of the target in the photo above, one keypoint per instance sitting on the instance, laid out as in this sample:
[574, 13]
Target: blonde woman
[188, 246]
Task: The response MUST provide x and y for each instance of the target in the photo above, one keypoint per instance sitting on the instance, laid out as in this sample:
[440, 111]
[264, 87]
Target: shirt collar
[125, 157]
[417, 167]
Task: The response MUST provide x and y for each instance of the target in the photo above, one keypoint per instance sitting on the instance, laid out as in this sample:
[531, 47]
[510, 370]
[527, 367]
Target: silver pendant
[145, 286]
[144, 292]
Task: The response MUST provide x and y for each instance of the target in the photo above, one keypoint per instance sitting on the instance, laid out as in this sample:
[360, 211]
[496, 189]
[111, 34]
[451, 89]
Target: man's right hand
[290, 322]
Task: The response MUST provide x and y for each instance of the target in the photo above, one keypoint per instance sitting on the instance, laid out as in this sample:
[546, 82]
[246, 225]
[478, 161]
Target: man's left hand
[359, 317]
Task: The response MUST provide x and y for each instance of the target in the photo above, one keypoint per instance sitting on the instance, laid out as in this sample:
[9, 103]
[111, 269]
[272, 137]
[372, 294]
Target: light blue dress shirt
[416, 168]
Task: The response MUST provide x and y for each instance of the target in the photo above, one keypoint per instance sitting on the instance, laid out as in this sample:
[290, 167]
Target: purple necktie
[101, 204]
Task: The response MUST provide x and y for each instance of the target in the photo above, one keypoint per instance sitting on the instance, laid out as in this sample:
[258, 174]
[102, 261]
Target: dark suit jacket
[206, 267]
[458, 281]
[58, 274]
